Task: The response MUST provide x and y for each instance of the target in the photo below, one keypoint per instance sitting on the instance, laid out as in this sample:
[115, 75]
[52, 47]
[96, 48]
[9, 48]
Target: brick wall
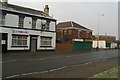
[70, 34]
[107, 38]
[63, 47]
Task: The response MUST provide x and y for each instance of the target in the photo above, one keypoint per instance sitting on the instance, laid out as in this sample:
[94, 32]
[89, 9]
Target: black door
[0, 43]
[4, 42]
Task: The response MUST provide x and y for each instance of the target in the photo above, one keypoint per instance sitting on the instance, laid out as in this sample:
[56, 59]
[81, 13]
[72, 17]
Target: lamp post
[98, 30]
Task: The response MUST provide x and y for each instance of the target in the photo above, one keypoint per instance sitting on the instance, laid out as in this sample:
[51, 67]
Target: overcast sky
[84, 13]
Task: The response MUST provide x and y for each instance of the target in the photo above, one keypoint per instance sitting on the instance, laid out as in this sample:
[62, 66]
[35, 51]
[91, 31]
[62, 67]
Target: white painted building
[102, 44]
[26, 29]
[114, 45]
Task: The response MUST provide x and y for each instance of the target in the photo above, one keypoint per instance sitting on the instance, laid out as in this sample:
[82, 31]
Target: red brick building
[106, 38]
[66, 31]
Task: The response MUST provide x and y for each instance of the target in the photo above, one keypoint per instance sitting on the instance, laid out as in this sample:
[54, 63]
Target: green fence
[85, 45]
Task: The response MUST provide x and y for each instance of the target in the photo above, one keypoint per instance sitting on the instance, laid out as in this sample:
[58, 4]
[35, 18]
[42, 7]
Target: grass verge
[112, 73]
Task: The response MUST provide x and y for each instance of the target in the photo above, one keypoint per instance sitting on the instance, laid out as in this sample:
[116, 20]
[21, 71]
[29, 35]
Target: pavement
[25, 63]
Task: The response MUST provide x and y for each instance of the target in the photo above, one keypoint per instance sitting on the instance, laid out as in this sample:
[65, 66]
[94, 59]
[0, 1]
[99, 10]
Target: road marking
[26, 74]
[42, 58]
[103, 57]
[88, 63]
[12, 76]
[44, 72]
[72, 55]
[8, 61]
[57, 69]
[37, 59]
[35, 72]
[50, 58]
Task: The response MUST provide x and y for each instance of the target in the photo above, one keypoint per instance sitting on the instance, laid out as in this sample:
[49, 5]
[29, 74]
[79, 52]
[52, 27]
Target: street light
[98, 30]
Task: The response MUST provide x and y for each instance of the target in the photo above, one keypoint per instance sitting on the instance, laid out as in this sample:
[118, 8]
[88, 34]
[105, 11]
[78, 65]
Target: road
[14, 65]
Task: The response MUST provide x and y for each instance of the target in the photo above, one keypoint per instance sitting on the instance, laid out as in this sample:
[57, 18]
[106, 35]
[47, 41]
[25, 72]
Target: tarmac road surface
[16, 65]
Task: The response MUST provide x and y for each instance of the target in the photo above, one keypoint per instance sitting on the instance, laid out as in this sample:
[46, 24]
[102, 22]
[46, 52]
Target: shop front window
[19, 40]
[46, 41]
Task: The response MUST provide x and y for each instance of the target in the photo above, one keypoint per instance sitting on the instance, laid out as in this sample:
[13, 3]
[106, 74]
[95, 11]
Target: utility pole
[98, 31]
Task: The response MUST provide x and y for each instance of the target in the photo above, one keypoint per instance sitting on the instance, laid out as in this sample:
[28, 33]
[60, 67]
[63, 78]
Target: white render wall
[11, 20]
[52, 26]
[102, 44]
[38, 24]
[27, 22]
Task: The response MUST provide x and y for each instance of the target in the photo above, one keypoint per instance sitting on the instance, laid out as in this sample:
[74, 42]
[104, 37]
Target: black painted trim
[19, 46]
[27, 29]
[29, 15]
[46, 37]
[28, 51]
[45, 46]
[46, 50]
[33, 35]
[19, 35]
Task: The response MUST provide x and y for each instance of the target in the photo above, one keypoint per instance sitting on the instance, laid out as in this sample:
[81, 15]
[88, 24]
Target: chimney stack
[4, 2]
[46, 10]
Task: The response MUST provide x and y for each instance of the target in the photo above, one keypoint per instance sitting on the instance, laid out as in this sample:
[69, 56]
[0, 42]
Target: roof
[71, 24]
[24, 9]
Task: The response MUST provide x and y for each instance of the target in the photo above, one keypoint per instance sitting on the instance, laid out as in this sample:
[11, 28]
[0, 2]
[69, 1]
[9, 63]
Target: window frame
[45, 24]
[44, 40]
[2, 18]
[34, 20]
[19, 40]
[21, 21]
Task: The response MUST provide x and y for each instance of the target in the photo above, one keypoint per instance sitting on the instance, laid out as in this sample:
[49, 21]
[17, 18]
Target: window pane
[24, 42]
[14, 42]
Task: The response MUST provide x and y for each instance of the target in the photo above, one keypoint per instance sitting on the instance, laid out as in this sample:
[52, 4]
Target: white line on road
[8, 61]
[44, 71]
[35, 72]
[88, 63]
[57, 69]
[13, 76]
[37, 59]
[103, 57]
[42, 59]
[72, 55]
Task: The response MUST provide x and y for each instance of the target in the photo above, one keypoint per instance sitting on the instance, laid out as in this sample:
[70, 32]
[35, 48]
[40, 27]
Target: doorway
[33, 46]
[4, 42]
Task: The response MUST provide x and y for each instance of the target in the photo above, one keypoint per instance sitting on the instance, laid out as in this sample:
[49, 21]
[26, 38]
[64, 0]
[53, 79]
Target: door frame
[31, 41]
